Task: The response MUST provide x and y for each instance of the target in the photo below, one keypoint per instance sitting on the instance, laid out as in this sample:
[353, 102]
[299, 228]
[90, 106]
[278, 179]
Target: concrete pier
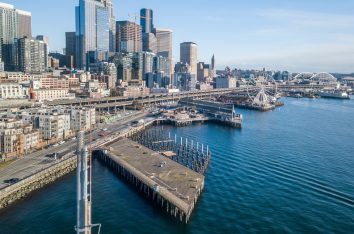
[170, 185]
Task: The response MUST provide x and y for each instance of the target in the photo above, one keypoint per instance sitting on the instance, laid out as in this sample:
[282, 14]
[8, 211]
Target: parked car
[12, 181]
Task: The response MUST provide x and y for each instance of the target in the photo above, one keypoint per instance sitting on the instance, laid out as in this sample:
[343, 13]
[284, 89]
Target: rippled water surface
[287, 171]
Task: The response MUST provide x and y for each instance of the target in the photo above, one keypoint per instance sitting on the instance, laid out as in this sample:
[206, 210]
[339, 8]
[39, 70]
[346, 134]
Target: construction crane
[136, 17]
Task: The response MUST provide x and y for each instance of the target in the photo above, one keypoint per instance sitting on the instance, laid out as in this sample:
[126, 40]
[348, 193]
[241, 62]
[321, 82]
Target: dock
[170, 185]
[215, 112]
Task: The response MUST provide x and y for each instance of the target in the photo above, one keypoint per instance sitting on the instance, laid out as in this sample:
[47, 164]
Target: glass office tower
[146, 20]
[92, 30]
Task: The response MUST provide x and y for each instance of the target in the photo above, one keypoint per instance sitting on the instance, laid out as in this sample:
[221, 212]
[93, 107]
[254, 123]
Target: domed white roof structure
[323, 77]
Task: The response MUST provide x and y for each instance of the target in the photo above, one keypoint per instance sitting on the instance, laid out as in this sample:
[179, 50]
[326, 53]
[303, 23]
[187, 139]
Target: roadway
[37, 161]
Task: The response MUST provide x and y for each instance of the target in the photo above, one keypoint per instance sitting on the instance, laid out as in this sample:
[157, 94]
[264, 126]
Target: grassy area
[4, 164]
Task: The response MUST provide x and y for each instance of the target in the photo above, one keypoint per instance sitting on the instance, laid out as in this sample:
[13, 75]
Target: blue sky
[295, 35]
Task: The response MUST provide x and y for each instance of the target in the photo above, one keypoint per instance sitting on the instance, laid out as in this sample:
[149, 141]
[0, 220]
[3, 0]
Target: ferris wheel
[262, 91]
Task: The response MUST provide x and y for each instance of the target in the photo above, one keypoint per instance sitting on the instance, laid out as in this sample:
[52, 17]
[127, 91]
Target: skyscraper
[32, 55]
[149, 42]
[14, 24]
[8, 23]
[92, 29]
[147, 26]
[8, 35]
[129, 37]
[24, 23]
[146, 20]
[212, 67]
[164, 44]
[189, 55]
[112, 25]
[70, 43]
[102, 27]
[70, 48]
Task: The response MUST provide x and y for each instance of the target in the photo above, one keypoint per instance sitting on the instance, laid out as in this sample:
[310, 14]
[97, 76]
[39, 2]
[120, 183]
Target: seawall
[36, 181]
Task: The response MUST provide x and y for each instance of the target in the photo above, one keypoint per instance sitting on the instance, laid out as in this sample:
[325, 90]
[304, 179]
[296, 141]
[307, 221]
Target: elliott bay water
[290, 170]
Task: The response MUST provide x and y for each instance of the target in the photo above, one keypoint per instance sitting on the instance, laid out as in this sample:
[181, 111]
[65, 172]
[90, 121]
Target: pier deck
[173, 186]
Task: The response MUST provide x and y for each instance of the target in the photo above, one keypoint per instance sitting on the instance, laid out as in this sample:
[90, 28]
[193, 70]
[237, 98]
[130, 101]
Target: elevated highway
[120, 102]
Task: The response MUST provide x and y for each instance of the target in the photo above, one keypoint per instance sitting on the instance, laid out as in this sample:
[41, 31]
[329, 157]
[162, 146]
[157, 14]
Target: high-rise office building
[162, 64]
[24, 19]
[129, 38]
[70, 48]
[32, 55]
[146, 20]
[164, 44]
[189, 55]
[8, 23]
[147, 27]
[102, 27]
[8, 35]
[149, 42]
[148, 62]
[70, 43]
[112, 25]
[212, 67]
[14, 24]
[92, 29]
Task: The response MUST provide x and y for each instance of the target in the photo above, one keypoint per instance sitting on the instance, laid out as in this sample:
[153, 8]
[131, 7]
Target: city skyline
[279, 36]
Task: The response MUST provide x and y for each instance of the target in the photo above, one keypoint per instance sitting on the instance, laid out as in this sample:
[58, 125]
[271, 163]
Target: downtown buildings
[136, 47]
[22, 131]
[19, 51]
[141, 54]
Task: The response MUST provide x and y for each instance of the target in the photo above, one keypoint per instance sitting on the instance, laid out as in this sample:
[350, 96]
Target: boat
[337, 94]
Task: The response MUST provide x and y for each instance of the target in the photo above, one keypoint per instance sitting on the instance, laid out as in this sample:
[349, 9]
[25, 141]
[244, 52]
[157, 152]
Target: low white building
[51, 94]
[81, 118]
[12, 91]
[16, 137]
[8, 141]
[54, 126]
[163, 90]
